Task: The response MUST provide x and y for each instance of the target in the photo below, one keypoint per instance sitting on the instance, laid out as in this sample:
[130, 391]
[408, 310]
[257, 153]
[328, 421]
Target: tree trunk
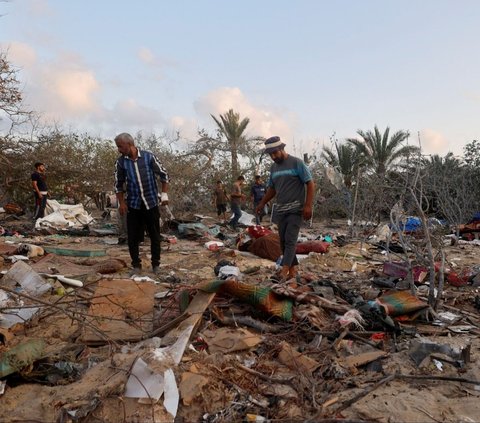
[234, 152]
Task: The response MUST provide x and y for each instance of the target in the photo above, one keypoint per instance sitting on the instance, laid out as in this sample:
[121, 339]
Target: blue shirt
[258, 191]
[139, 177]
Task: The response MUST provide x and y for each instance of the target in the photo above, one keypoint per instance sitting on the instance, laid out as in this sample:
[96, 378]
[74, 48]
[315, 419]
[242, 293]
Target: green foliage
[232, 129]
[382, 151]
[471, 154]
[345, 159]
[451, 188]
[78, 165]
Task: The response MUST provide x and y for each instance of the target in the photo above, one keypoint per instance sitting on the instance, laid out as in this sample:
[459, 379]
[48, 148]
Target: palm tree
[382, 151]
[436, 161]
[232, 128]
[345, 159]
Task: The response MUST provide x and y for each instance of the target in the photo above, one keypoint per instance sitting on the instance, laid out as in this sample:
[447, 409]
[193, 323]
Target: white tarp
[63, 216]
[246, 219]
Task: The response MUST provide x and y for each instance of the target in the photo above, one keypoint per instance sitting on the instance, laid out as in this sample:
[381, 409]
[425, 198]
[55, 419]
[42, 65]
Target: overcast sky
[303, 69]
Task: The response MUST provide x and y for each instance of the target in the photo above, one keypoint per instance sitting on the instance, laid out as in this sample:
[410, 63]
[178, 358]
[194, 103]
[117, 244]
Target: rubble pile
[216, 338]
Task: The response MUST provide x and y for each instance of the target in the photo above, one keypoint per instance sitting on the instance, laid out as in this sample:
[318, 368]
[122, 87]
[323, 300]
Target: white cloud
[39, 8]
[187, 127]
[66, 91]
[146, 55]
[20, 54]
[155, 64]
[75, 89]
[434, 142]
[129, 112]
[264, 121]
[59, 88]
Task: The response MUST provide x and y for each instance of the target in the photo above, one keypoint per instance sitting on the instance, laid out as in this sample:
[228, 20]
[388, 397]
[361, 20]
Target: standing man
[256, 194]
[137, 169]
[40, 190]
[291, 182]
[236, 199]
[220, 199]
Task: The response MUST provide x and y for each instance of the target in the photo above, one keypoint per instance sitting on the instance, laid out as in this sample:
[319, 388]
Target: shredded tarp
[62, 216]
[414, 224]
[195, 230]
[261, 297]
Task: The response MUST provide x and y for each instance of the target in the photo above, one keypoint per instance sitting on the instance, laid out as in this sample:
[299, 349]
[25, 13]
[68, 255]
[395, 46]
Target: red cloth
[312, 246]
[258, 231]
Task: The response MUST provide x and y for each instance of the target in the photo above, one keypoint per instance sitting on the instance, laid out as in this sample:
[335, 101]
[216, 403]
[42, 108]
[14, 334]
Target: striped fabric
[262, 297]
[139, 177]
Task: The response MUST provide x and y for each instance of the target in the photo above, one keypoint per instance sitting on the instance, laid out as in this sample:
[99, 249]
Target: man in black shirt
[40, 191]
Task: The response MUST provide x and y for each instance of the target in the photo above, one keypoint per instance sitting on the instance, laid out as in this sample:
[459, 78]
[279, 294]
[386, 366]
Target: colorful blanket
[397, 303]
[263, 298]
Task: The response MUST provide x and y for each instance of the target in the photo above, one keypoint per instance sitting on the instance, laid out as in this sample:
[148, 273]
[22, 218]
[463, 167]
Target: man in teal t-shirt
[291, 182]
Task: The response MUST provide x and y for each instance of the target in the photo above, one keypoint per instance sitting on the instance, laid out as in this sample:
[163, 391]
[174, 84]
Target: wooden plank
[122, 310]
[196, 308]
[361, 359]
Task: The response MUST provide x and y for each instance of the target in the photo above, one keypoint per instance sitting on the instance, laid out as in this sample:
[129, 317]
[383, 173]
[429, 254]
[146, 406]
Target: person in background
[220, 199]
[291, 183]
[40, 190]
[136, 170]
[257, 192]
[236, 199]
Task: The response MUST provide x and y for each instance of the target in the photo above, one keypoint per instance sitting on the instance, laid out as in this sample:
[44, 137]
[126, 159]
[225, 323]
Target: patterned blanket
[263, 298]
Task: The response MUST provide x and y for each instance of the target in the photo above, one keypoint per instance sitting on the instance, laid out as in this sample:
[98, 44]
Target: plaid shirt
[139, 178]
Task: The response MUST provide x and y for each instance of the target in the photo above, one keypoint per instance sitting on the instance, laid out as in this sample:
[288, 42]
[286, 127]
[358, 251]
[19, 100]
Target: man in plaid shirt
[137, 171]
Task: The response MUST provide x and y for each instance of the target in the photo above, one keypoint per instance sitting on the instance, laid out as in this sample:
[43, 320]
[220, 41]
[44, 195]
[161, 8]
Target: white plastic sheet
[64, 216]
[143, 382]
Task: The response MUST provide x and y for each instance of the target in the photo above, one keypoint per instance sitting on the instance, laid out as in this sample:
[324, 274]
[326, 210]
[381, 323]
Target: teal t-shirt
[288, 179]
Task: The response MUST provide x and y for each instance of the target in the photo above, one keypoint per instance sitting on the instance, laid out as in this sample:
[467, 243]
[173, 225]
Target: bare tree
[12, 111]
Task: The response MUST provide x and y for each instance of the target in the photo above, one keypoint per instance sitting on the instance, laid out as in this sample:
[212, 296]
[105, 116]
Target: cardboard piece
[122, 309]
[361, 359]
[295, 360]
[227, 340]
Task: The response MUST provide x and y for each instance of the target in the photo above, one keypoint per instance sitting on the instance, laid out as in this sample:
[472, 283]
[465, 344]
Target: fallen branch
[364, 393]
[445, 378]
[262, 376]
[168, 326]
[247, 321]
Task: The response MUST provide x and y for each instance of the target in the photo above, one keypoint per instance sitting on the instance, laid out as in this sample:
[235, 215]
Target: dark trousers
[40, 204]
[237, 214]
[137, 221]
[258, 217]
[288, 230]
